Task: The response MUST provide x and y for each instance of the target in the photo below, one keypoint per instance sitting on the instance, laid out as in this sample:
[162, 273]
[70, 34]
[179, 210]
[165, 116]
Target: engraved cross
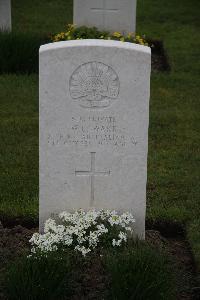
[92, 173]
[104, 11]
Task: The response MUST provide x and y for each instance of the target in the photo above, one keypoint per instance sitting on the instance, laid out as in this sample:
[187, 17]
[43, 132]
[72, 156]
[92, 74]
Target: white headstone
[5, 15]
[111, 15]
[94, 112]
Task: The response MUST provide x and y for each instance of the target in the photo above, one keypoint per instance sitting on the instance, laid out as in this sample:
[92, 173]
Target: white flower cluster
[82, 231]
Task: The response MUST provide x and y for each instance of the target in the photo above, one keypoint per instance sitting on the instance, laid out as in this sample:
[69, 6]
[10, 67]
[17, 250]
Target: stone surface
[94, 111]
[111, 15]
[5, 15]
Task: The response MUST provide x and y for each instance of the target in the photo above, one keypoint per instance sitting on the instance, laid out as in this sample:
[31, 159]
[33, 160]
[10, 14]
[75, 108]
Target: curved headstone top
[94, 114]
[97, 43]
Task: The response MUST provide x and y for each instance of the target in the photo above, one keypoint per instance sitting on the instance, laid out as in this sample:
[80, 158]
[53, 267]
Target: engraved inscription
[94, 85]
[90, 131]
[92, 173]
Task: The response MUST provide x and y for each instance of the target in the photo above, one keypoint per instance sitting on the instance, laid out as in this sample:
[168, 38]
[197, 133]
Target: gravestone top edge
[95, 43]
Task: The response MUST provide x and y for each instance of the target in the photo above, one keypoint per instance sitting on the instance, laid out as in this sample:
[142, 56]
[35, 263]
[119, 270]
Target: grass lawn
[19, 145]
[46, 16]
[174, 156]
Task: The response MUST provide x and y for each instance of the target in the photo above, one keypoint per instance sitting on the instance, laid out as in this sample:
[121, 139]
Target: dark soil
[14, 243]
[92, 283]
[10, 222]
[159, 58]
[181, 256]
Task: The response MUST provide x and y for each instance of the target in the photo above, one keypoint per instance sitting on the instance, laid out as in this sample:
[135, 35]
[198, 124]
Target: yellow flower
[71, 26]
[131, 35]
[117, 34]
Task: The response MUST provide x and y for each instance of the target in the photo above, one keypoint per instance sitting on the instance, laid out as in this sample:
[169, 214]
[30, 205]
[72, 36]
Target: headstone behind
[94, 108]
[110, 15]
[5, 15]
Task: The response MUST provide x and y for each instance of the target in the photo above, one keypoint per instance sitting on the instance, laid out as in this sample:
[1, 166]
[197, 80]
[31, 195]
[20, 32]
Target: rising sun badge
[94, 85]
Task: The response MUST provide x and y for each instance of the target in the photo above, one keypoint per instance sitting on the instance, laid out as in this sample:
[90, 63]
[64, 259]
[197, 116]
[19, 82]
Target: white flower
[67, 240]
[128, 229]
[83, 250]
[114, 220]
[101, 228]
[82, 231]
[116, 243]
[127, 218]
[93, 239]
[123, 236]
[50, 225]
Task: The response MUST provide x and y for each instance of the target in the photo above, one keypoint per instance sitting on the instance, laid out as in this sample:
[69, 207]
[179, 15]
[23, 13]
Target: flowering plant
[83, 231]
[78, 33]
